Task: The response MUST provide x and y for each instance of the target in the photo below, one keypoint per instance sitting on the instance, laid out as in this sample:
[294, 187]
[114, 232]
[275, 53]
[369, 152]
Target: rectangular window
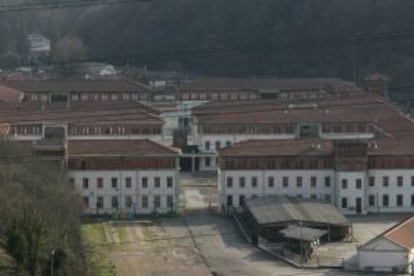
[218, 145]
[385, 181]
[241, 200]
[144, 182]
[358, 183]
[207, 161]
[170, 182]
[86, 201]
[299, 181]
[242, 182]
[229, 200]
[128, 182]
[254, 181]
[285, 181]
[400, 200]
[400, 181]
[114, 182]
[344, 183]
[99, 183]
[313, 181]
[328, 198]
[170, 201]
[85, 183]
[128, 201]
[157, 182]
[385, 200]
[344, 203]
[99, 202]
[144, 201]
[371, 181]
[271, 181]
[371, 200]
[327, 181]
[157, 201]
[207, 145]
[114, 202]
[412, 200]
[229, 182]
[412, 180]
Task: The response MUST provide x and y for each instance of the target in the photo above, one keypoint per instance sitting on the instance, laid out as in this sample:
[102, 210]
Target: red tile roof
[278, 148]
[77, 86]
[263, 84]
[143, 147]
[9, 95]
[292, 147]
[402, 233]
[28, 112]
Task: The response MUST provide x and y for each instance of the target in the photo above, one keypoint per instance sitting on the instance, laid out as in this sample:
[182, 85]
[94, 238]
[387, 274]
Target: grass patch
[93, 234]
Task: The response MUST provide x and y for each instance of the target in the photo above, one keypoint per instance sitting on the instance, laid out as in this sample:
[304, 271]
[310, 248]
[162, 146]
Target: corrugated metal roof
[278, 209]
[302, 233]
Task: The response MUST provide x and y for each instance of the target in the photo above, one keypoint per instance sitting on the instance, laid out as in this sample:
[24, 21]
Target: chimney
[377, 83]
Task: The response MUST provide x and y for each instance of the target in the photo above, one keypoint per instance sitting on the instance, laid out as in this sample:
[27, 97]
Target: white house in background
[38, 45]
[358, 177]
[392, 251]
[139, 176]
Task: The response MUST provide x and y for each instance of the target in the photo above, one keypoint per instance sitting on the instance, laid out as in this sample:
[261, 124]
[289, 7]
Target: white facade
[383, 255]
[148, 190]
[346, 190]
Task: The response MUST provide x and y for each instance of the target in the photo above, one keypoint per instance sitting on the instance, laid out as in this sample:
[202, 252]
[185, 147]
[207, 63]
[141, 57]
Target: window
[99, 202]
[327, 181]
[99, 182]
[358, 183]
[217, 145]
[72, 182]
[254, 181]
[399, 181]
[299, 181]
[170, 182]
[114, 182]
[242, 182]
[412, 180]
[229, 200]
[85, 183]
[371, 200]
[170, 201]
[344, 203]
[400, 200]
[385, 200]
[371, 181]
[328, 198]
[144, 182]
[114, 202]
[157, 201]
[86, 201]
[128, 201]
[241, 200]
[412, 200]
[313, 196]
[128, 182]
[313, 181]
[385, 181]
[144, 201]
[157, 182]
[271, 181]
[228, 144]
[254, 184]
[207, 145]
[229, 182]
[285, 181]
[207, 161]
[344, 183]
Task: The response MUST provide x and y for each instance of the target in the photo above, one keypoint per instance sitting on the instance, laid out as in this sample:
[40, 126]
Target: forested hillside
[241, 37]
